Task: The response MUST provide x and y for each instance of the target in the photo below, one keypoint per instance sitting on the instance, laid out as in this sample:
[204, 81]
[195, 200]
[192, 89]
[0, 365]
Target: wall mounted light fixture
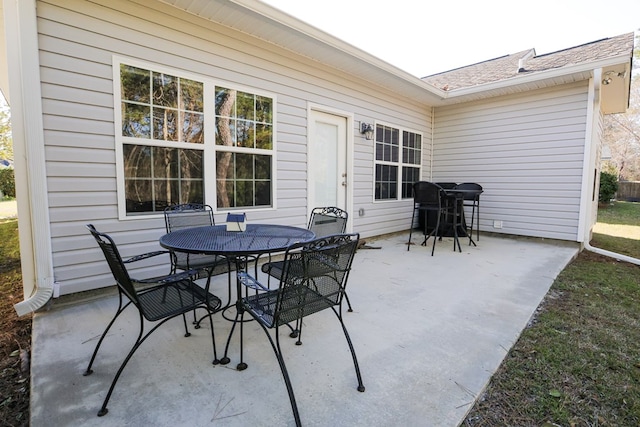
[367, 130]
[608, 76]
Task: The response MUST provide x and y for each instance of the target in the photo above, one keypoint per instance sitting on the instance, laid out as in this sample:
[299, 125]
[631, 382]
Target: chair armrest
[250, 282]
[171, 278]
[145, 256]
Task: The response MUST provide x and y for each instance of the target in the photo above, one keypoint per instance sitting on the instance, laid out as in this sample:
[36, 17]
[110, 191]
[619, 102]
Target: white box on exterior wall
[236, 222]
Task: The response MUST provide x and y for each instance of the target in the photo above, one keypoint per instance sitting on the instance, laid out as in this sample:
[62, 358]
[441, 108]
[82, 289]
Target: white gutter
[588, 180]
[539, 75]
[28, 139]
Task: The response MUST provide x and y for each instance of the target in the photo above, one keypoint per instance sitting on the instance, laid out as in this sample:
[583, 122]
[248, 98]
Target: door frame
[348, 155]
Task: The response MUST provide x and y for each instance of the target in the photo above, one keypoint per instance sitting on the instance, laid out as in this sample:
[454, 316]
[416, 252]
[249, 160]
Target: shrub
[608, 186]
[7, 182]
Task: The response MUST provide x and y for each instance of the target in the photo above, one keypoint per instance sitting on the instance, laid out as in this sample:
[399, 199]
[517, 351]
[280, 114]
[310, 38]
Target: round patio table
[237, 246]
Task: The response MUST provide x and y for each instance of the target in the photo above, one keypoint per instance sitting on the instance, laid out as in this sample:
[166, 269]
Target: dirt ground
[15, 347]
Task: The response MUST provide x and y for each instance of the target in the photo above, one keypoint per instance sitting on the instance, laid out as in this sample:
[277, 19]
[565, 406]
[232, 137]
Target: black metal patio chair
[472, 200]
[157, 299]
[177, 217]
[313, 279]
[187, 215]
[430, 200]
[323, 221]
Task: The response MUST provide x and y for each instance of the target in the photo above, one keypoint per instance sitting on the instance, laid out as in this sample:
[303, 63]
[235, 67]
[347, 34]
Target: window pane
[225, 99]
[409, 176]
[243, 120]
[264, 136]
[263, 193]
[244, 166]
[165, 90]
[154, 105]
[165, 163]
[239, 177]
[135, 84]
[158, 176]
[244, 134]
[263, 167]
[388, 150]
[136, 120]
[165, 124]
[191, 95]
[245, 106]
[193, 127]
[411, 148]
[225, 131]
[264, 109]
[386, 182]
[137, 160]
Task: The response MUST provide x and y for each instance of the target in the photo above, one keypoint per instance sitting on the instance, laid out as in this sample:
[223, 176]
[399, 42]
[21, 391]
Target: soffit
[276, 27]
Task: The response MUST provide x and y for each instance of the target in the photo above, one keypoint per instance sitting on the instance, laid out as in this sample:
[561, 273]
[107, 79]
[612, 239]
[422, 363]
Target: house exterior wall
[78, 41]
[527, 151]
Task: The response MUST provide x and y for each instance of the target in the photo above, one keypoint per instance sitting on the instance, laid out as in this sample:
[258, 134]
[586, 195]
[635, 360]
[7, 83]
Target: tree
[6, 143]
[622, 134]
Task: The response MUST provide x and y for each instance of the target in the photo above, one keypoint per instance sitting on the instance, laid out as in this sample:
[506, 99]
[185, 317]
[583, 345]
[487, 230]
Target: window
[244, 141]
[397, 162]
[163, 147]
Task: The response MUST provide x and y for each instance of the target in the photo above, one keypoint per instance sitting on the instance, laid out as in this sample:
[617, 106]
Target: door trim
[311, 107]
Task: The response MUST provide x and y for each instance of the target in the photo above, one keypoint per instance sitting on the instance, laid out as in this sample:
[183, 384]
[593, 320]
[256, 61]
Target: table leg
[241, 264]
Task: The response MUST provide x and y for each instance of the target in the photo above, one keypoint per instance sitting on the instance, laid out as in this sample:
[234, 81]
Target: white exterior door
[327, 161]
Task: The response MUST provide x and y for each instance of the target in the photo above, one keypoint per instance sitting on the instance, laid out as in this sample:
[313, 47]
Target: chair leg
[121, 308]
[348, 303]
[477, 208]
[213, 337]
[103, 410]
[435, 237]
[285, 374]
[413, 214]
[360, 387]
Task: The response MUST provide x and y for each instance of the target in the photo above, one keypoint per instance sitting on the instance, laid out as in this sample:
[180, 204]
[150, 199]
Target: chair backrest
[427, 193]
[469, 186]
[187, 215]
[326, 221]
[314, 276]
[447, 185]
[118, 269]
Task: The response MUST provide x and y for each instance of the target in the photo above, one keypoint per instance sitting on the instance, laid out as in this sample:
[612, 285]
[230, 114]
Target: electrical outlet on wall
[497, 223]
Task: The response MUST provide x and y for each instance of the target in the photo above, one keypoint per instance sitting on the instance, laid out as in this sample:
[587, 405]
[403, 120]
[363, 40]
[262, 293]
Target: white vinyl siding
[526, 151]
[78, 41]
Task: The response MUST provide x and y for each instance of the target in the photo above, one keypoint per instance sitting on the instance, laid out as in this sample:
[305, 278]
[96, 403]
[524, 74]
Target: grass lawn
[578, 363]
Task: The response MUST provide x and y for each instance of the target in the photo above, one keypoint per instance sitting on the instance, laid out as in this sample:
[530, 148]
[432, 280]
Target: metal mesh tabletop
[216, 240]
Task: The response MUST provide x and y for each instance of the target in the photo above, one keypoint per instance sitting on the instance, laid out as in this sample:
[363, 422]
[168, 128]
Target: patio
[428, 331]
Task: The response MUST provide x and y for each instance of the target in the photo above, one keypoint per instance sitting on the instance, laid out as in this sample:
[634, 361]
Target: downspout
[28, 137]
[433, 121]
[583, 229]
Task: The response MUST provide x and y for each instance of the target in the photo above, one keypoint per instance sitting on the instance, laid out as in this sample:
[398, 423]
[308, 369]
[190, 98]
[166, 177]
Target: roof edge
[539, 75]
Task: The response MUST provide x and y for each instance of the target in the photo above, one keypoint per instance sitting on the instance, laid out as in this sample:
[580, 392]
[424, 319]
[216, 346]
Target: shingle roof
[526, 62]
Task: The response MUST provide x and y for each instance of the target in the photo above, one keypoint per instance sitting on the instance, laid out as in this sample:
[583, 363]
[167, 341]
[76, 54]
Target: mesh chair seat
[168, 301]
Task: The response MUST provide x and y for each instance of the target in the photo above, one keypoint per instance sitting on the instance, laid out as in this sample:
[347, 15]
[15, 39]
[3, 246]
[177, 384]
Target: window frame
[208, 147]
[400, 164]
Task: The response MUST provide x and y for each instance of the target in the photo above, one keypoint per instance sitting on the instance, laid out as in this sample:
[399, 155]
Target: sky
[424, 37]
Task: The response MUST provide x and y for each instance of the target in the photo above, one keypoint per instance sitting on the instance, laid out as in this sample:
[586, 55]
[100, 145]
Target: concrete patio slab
[428, 331]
